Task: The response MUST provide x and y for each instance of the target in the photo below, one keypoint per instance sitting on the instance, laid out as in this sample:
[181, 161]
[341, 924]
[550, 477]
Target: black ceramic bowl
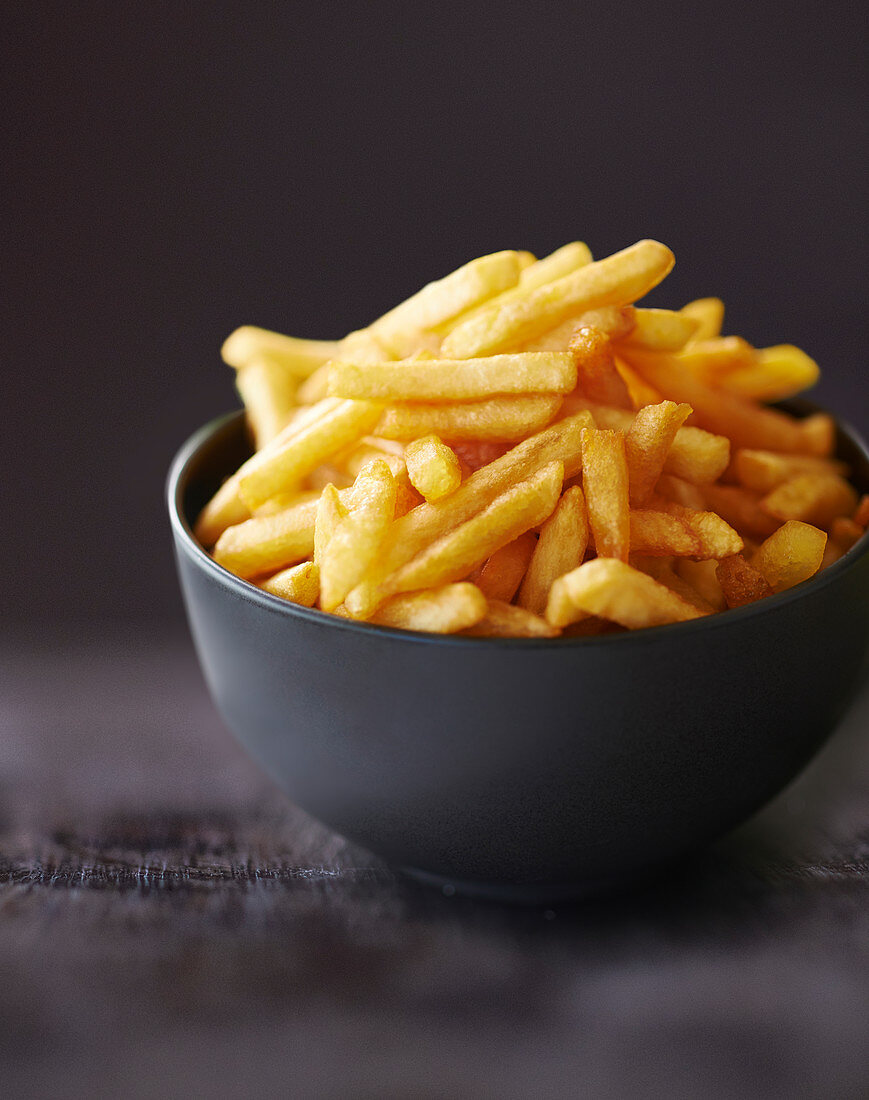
[522, 769]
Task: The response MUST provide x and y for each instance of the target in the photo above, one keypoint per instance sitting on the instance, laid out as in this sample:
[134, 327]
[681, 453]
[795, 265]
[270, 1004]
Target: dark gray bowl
[526, 770]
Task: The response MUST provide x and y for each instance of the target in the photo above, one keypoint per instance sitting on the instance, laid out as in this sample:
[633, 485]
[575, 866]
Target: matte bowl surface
[526, 770]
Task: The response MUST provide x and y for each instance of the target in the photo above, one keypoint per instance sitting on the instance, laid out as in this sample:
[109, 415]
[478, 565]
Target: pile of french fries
[518, 450]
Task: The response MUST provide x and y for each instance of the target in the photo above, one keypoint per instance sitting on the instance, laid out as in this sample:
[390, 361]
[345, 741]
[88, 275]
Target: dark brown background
[169, 924]
[176, 169]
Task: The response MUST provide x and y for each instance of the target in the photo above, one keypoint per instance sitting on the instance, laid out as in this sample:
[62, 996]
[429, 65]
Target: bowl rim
[176, 483]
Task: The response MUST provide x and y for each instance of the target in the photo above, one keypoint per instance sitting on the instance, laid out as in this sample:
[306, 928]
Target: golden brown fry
[268, 392]
[617, 280]
[845, 532]
[501, 419]
[298, 451]
[357, 537]
[702, 577]
[612, 589]
[775, 373]
[597, 377]
[639, 389]
[330, 512]
[299, 584]
[612, 321]
[429, 522]
[503, 572]
[661, 329]
[740, 582]
[813, 498]
[297, 358]
[267, 543]
[445, 610]
[225, 509]
[741, 509]
[680, 491]
[664, 572]
[454, 555]
[446, 299]
[440, 381]
[715, 359]
[647, 445]
[791, 555]
[709, 315]
[433, 468]
[745, 424]
[763, 471]
[560, 548]
[605, 484]
[695, 455]
[504, 620]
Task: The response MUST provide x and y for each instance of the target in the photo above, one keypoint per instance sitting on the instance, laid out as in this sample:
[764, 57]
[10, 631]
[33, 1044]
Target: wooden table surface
[170, 926]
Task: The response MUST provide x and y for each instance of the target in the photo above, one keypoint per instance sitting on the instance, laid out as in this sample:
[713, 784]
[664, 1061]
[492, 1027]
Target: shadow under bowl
[524, 770]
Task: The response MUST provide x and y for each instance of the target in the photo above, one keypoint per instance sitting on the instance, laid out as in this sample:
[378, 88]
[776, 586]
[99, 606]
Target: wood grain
[170, 925]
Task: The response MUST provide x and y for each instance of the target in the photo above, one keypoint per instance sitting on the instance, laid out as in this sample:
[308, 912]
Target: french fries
[519, 450]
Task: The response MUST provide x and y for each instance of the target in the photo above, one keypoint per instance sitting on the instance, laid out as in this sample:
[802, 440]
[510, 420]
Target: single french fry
[741, 509]
[570, 257]
[845, 532]
[501, 419]
[702, 577]
[264, 544]
[763, 471]
[440, 381]
[661, 329]
[612, 321]
[433, 468]
[330, 512]
[605, 484]
[445, 610]
[504, 620]
[813, 498]
[611, 589]
[776, 372]
[695, 455]
[445, 299]
[713, 360]
[453, 556]
[299, 584]
[362, 346]
[709, 315]
[740, 582]
[290, 457]
[832, 553]
[617, 280]
[681, 492]
[502, 574]
[597, 376]
[664, 572]
[640, 391]
[268, 392]
[791, 555]
[658, 533]
[745, 424]
[225, 509]
[298, 358]
[560, 548]
[357, 537]
[647, 445]
[715, 537]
